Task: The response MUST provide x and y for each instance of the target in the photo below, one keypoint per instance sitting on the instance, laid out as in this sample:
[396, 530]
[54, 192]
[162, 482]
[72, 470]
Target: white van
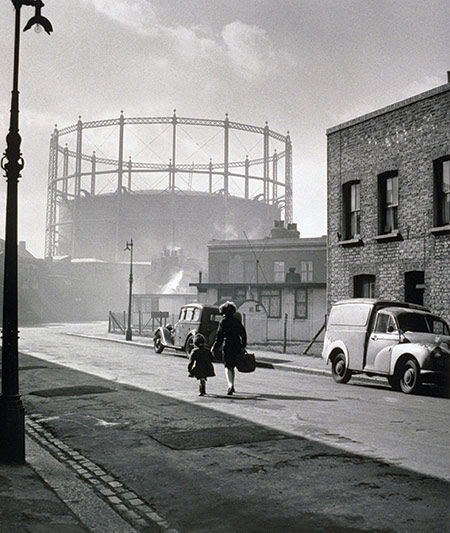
[402, 341]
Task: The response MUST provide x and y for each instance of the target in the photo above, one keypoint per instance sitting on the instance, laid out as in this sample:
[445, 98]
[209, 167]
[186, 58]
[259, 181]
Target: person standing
[231, 333]
[200, 363]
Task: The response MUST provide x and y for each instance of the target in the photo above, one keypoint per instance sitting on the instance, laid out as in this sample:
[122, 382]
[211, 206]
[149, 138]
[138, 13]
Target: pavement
[59, 490]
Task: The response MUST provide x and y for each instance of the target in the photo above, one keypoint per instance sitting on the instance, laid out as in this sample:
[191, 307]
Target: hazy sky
[302, 65]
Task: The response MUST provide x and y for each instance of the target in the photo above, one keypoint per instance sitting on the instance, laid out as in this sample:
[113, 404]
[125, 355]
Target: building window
[239, 295]
[278, 271]
[235, 294]
[441, 169]
[271, 299]
[364, 286]
[301, 303]
[306, 270]
[223, 271]
[249, 271]
[351, 205]
[387, 202]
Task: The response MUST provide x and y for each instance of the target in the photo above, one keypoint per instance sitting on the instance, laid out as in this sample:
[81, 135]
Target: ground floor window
[364, 286]
[234, 294]
[301, 303]
[271, 299]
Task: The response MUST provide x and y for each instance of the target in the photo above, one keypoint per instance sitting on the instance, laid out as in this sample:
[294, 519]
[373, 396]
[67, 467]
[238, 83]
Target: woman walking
[231, 333]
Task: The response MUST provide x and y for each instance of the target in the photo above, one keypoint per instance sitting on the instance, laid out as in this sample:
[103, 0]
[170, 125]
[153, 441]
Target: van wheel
[189, 346]
[339, 370]
[409, 377]
[157, 343]
[394, 381]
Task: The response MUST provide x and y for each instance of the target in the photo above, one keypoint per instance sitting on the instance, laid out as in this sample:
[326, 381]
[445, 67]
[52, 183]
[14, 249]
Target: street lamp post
[129, 334]
[12, 418]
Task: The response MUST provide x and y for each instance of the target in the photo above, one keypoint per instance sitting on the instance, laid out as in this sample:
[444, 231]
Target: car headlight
[437, 352]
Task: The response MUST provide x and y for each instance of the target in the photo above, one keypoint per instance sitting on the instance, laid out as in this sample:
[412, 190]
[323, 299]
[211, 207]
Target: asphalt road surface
[288, 452]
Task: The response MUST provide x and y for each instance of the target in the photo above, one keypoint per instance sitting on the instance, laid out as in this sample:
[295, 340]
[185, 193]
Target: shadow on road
[205, 470]
[426, 389]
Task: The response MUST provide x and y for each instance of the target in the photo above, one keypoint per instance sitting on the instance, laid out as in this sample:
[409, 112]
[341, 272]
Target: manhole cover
[72, 391]
[216, 436]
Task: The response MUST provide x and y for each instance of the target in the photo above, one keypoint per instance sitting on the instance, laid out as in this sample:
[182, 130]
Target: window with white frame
[301, 303]
[278, 271]
[351, 210]
[442, 191]
[306, 270]
[271, 299]
[388, 202]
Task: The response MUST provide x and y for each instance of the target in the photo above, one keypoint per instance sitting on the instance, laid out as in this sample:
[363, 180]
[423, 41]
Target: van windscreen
[349, 315]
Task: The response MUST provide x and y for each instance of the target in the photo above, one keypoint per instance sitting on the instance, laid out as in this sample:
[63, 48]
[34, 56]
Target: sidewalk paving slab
[29, 504]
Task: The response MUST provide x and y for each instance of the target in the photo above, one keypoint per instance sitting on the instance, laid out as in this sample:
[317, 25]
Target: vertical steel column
[120, 167]
[130, 166]
[77, 191]
[50, 235]
[274, 176]
[288, 210]
[65, 184]
[174, 148]
[266, 163]
[78, 159]
[210, 168]
[93, 170]
[226, 154]
[247, 171]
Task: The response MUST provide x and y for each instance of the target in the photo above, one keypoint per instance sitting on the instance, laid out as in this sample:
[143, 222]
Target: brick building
[268, 279]
[389, 203]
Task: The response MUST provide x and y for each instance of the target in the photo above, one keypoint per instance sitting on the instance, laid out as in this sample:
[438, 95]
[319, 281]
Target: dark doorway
[414, 286]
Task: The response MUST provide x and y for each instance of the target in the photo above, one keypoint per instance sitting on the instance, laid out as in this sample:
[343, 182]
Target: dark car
[193, 318]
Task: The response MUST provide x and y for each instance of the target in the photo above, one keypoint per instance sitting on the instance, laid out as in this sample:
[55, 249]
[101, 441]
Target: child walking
[200, 363]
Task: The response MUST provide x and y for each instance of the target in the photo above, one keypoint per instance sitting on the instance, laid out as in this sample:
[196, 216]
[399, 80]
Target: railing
[142, 323]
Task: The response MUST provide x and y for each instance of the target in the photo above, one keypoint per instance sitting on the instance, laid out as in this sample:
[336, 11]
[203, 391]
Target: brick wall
[406, 137]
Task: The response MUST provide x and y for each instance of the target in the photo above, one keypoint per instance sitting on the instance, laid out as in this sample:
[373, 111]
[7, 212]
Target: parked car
[193, 318]
[404, 342]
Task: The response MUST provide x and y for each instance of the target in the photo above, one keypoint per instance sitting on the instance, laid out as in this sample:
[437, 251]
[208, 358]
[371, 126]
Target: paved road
[289, 452]
[409, 431]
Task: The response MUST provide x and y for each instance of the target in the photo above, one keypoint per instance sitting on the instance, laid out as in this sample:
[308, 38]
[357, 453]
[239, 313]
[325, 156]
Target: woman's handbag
[246, 362]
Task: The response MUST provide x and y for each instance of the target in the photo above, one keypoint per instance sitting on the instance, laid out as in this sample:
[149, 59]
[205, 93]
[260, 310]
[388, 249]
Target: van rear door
[348, 323]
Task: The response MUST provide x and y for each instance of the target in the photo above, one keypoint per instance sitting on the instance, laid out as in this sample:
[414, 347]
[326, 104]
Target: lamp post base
[12, 430]
[128, 335]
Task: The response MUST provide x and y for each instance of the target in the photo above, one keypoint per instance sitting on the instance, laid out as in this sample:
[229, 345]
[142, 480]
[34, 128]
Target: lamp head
[38, 20]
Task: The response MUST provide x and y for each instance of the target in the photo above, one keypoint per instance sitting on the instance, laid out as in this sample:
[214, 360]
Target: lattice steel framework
[68, 185]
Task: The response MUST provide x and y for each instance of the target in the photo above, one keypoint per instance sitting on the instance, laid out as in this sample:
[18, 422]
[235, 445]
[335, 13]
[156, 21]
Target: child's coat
[200, 363]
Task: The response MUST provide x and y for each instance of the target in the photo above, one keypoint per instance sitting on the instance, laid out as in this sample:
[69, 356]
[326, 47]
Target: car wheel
[409, 377]
[394, 381]
[157, 343]
[339, 370]
[189, 346]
